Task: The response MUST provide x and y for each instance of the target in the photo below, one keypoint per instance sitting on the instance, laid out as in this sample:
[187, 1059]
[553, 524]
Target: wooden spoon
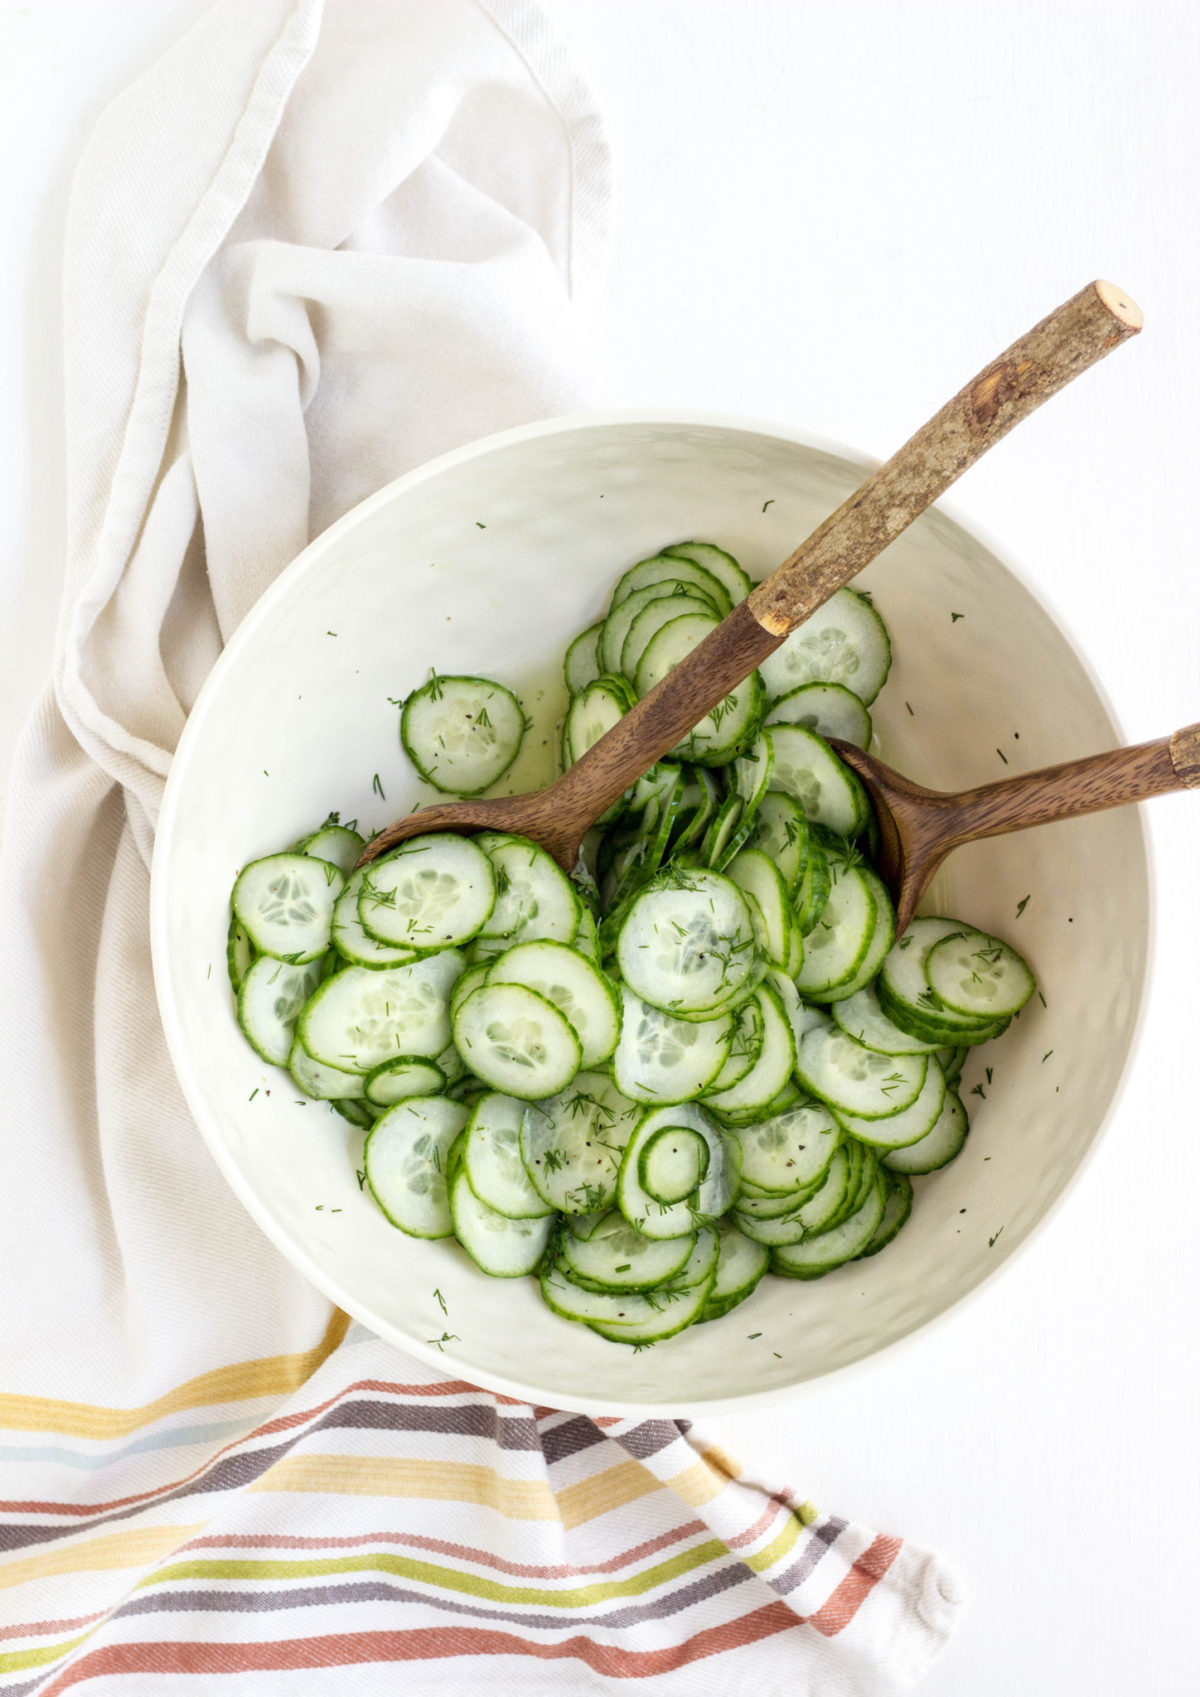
[1077, 334]
[919, 827]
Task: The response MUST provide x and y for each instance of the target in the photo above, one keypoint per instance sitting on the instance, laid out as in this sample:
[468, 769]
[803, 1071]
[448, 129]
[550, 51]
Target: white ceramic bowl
[489, 560]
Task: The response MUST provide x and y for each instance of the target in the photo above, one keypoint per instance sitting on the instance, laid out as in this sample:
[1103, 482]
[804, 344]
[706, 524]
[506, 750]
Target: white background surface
[833, 215]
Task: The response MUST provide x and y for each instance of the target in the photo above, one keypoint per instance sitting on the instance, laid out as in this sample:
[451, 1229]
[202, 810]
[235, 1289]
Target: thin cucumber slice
[433, 892]
[844, 642]
[322, 1083]
[701, 1265]
[978, 977]
[461, 733]
[475, 975]
[284, 904]
[904, 985]
[723, 566]
[775, 925]
[239, 955]
[687, 944]
[670, 645]
[582, 663]
[661, 1059]
[572, 1143]
[571, 983]
[397, 1080]
[932, 1030]
[861, 1017]
[757, 1206]
[534, 897]
[732, 726]
[855, 1080]
[632, 1317]
[911, 1124]
[837, 946]
[896, 1211]
[740, 1265]
[808, 770]
[882, 938]
[673, 569]
[405, 1159]
[491, 1157]
[781, 831]
[270, 1001]
[951, 1062]
[725, 834]
[801, 1017]
[939, 1147]
[650, 620]
[337, 844]
[351, 941]
[622, 614]
[813, 1257]
[831, 710]
[360, 1017]
[617, 1258]
[502, 1247]
[660, 1219]
[356, 1111]
[791, 1151]
[745, 1047]
[812, 891]
[753, 1095]
[698, 804]
[751, 773]
[592, 714]
[516, 1041]
[586, 940]
[672, 1164]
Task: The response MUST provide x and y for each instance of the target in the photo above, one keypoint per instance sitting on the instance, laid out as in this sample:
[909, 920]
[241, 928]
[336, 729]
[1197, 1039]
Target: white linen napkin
[311, 248]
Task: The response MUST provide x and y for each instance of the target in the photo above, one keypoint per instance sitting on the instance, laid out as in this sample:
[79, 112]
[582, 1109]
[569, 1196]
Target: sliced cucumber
[535, 899]
[882, 938]
[861, 1017]
[725, 834]
[506, 1248]
[753, 1096]
[433, 892]
[323, 1083]
[351, 941]
[831, 710]
[270, 1001]
[673, 569]
[622, 614]
[571, 983]
[731, 727]
[838, 943]
[780, 830]
[812, 891]
[660, 1219]
[592, 714]
[745, 1046]
[461, 733]
[669, 646]
[572, 1143]
[896, 1211]
[631, 1317]
[284, 904]
[672, 1163]
[855, 1080]
[939, 1147]
[239, 955]
[740, 1267]
[813, 1257]
[360, 1017]
[951, 1062]
[844, 642]
[910, 1124]
[775, 925]
[650, 620]
[791, 1151]
[405, 1160]
[516, 1041]
[978, 977]
[723, 566]
[397, 1080]
[751, 773]
[687, 944]
[337, 844]
[808, 770]
[662, 1059]
[582, 663]
[615, 1257]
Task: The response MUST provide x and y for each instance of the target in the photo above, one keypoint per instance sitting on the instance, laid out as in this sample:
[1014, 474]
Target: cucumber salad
[704, 1057]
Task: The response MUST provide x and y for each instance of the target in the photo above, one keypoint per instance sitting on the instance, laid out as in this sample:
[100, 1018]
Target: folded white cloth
[311, 248]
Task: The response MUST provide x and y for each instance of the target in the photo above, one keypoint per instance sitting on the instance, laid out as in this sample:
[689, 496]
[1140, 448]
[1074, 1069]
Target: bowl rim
[294, 1253]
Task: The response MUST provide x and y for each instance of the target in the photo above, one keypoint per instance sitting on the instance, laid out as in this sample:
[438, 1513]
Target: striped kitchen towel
[311, 1520]
[318, 243]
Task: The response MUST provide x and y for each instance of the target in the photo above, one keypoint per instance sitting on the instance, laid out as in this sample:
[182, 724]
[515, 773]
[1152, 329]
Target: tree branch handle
[1077, 334]
[1071, 339]
[1077, 787]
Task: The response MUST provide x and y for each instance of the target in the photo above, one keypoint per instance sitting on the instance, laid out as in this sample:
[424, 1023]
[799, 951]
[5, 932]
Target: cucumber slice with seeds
[320, 1082]
[831, 710]
[650, 620]
[861, 1017]
[844, 642]
[723, 566]
[939, 1147]
[855, 1080]
[570, 982]
[337, 844]
[621, 615]
[978, 977]
[663, 1059]
[780, 830]
[491, 1157]
[660, 1219]
[592, 714]
[687, 944]
[753, 1096]
[572, 1143]
[462, 733]
[360, 1017]
[813, 1257]
[405, 1160]
[270, 1001]
[791, 1151]
[506, 1248]
[534, 897]
[731, 727]
[351, 941]
[808, 770]
[837, 945]
[776, 929]
[582, 663]
[911, 1124]
[284, 904]
[673, 569]
[616, 1258]
[433, 892]
[670, 645]
[516, 1041]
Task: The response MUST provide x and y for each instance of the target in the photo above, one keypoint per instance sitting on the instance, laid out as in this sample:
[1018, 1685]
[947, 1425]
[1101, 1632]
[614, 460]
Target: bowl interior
[489, 561]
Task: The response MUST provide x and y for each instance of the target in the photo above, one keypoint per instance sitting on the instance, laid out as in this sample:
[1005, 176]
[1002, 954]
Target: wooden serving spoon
[919, 827]
[1077, 334]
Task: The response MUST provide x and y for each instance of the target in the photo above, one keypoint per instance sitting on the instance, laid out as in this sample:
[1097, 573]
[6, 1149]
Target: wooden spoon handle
[1075, 336]
[1076, 787]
